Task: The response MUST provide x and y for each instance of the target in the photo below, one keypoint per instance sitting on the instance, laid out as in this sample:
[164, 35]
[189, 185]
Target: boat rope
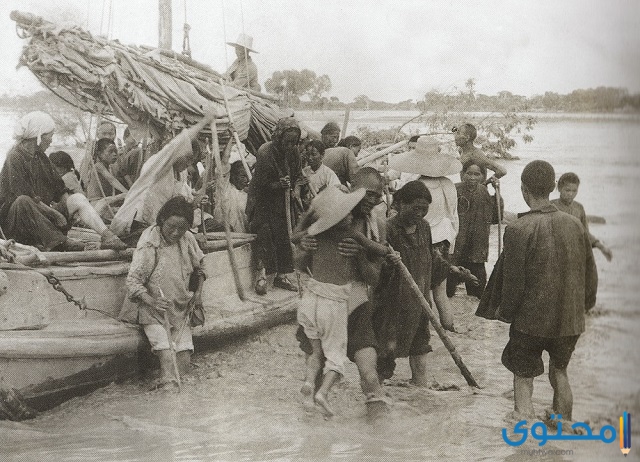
[104, 4]
[80, 303]
[246, 53]
[224, 35]
[186, 45]
[56, 284]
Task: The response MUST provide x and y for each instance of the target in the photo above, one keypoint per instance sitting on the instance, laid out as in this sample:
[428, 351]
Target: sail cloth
[148, 89]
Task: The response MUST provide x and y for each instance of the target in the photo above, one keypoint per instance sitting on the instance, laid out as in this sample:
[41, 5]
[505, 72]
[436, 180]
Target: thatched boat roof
[144, 87]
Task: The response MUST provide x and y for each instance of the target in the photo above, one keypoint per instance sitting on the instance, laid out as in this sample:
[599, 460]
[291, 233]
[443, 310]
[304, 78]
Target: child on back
[331, 293]
[568, 187]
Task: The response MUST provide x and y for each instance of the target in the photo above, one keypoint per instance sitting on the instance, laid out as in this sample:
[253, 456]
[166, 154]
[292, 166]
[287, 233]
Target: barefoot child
[549, 281]
[568, 187]
[332, 293]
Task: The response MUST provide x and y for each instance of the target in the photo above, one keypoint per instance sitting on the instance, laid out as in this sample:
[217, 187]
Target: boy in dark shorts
[549, 282]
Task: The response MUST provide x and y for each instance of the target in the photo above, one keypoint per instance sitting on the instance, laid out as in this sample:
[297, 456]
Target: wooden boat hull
[54, 351]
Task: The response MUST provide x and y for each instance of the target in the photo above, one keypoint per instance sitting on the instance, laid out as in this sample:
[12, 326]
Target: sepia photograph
[277, 230]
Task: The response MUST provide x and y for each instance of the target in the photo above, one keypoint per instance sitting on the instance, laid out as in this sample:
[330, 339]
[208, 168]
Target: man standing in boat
[243, 71]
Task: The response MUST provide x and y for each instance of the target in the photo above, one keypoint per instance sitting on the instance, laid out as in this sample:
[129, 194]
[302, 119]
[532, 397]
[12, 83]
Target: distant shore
[397, 116]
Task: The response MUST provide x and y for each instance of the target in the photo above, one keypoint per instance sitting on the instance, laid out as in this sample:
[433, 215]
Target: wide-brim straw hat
[426, 159]
[243, 41]
[331, 206]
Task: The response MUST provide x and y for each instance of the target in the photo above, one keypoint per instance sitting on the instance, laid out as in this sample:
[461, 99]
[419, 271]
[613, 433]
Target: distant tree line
[306, 90]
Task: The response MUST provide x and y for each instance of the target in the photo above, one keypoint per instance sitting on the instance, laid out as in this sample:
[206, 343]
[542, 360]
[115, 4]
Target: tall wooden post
[164, 24]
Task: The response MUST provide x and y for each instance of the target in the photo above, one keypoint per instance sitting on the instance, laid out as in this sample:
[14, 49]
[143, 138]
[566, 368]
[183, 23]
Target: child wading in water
[568, 187]
[331, 294]
[476, 212]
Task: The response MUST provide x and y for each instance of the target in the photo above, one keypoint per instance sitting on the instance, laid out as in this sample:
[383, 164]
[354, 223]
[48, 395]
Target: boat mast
[164, 24]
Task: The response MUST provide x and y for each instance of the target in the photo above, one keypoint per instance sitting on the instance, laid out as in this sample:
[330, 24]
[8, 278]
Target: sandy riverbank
[242, 402]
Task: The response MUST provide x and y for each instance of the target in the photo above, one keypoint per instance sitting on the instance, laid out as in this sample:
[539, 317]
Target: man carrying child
[333, 292]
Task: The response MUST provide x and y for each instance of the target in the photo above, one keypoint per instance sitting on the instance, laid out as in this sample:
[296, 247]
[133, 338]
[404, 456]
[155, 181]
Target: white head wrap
[34, 125]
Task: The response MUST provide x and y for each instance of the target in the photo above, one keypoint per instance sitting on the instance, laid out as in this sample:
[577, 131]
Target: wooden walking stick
[435, 321]
[498, 200]
[223, 205]
[172, 348]
[287, 205]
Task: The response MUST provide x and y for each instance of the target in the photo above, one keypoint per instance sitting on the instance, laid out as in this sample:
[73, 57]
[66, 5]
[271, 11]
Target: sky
[389, 50]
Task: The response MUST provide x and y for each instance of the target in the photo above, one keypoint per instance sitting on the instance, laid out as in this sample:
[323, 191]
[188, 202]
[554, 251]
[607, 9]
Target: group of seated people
[43, 196]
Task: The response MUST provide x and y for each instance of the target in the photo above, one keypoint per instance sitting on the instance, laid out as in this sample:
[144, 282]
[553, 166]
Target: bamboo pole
[235, 133]
[376, 155]
[435, 321]
[227, 228]
[343, 133]
[214, 236]
[212, 246]
[87, 256]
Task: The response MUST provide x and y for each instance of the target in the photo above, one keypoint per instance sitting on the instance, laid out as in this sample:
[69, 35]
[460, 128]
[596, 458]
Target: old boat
[49, 349]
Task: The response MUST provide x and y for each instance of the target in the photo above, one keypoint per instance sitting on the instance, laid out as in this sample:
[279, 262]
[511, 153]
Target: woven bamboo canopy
[157, 90]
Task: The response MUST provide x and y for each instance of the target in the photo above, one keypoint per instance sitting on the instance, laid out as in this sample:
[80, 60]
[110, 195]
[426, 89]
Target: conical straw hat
[244, 41]
[331, 206]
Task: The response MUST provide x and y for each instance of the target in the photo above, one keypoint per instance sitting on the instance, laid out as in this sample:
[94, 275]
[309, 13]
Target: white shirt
[321, 178]
[443, 211]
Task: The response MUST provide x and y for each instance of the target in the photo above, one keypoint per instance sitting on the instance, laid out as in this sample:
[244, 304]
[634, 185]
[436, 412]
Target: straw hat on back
[243, 41]
[331, 206]
[426, 159]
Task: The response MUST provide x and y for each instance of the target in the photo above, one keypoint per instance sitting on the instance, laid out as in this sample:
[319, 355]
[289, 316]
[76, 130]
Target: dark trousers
[28, 225]
[478, 270]
[272, 246]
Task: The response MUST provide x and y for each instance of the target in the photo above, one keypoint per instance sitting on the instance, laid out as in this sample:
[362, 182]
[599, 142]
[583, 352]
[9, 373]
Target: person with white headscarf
[34, 202]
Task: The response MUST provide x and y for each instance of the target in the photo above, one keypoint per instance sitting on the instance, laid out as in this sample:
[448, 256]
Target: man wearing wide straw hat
[431, 166]
[243, 72]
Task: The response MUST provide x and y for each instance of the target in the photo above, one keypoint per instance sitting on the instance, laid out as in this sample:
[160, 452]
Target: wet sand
[243, 403]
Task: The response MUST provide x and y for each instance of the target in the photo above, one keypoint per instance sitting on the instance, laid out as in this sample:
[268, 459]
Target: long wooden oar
[223, 205]
[435, 321]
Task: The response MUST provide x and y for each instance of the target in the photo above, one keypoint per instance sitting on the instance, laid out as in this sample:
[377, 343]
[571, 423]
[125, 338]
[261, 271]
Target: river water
[242, 400]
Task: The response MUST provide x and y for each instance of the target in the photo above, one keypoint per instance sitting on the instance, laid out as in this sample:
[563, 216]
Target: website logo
[580, 431]
[625, 433]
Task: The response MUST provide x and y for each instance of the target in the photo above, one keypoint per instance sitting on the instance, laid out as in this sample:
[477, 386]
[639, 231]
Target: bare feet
[324, 404]
[551, 419]
[307, 396]
[111, 241]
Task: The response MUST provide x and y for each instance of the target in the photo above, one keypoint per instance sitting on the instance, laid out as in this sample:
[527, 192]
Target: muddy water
[242, 401]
